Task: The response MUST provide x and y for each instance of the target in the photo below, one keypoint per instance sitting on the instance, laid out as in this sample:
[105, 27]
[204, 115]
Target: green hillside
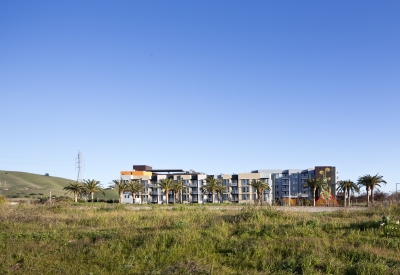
[28, 185]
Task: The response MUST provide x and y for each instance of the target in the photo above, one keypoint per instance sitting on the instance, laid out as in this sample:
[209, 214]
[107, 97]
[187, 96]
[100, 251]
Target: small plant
[313, 223]
[390, 227]
[3, 200]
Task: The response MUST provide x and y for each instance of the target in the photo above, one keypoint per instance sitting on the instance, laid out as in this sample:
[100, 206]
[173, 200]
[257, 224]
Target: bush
[3, 200]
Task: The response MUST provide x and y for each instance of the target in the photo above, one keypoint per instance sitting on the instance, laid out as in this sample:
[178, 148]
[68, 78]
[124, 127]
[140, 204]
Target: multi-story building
[150, 178]
[284, 184]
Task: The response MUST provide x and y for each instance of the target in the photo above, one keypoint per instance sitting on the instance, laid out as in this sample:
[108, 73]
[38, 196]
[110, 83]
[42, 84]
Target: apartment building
[284, 184]
[149, 177]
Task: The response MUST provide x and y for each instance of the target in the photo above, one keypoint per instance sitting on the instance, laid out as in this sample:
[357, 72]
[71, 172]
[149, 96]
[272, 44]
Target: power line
[33, 164]
[35, 158]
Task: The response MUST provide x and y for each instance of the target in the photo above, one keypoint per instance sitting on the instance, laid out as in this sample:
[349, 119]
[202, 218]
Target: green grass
[33, 186]
[110, 239]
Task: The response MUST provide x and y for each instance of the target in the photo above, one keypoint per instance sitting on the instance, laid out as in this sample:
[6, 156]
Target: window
[201, 182]
[245, 181]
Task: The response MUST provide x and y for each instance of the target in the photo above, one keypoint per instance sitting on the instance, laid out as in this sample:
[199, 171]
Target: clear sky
[214, 86]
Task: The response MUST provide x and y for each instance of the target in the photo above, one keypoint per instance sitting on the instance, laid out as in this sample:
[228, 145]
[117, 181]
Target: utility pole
[80, 166]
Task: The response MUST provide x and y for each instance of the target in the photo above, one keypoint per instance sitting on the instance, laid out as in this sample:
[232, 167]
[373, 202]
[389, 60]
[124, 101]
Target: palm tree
[74, 187]
[351, 188]
[177, 186]
[92, 186]
[375, 181]
[343, 187]
[314, 184]
[122, 186]
[260, 186]
[211, 186]
[167, 185]
[135, 186]
[220, 189]
[348, 186]
[365, 181]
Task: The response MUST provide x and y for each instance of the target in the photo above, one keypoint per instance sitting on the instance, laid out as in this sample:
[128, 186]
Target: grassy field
[30, 186]
[111, 239]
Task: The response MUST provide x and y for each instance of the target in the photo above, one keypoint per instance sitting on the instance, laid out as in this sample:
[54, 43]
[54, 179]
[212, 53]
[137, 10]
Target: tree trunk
[367, 197]
[166, 196]
[120, 197]
[344, 194]
[313, 195]
[372, 196]
[75, 196]
[348, 195]
[92, 195]
[212, 197]
[260, 197]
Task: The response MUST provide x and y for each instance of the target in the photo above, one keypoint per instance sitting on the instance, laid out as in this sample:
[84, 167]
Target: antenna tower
[80, 166]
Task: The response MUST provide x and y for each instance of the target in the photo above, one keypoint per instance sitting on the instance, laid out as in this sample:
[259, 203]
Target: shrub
[390, 226]
[3, 200]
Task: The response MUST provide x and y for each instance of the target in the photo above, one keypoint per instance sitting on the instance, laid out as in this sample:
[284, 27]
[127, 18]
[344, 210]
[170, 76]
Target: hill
[27, 185]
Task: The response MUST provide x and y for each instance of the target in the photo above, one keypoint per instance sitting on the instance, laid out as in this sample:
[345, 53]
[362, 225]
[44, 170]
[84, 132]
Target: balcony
[233, 184]
[195, 192]
[235, 192]
[155, 193]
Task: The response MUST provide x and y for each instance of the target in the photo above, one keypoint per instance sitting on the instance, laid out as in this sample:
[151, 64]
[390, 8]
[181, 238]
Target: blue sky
[214, 86]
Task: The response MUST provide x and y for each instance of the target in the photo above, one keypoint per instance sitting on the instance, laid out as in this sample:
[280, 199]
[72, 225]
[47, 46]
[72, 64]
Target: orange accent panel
[136, 173]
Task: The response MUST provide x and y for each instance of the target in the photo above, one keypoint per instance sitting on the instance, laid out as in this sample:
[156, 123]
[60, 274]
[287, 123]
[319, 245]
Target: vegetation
[177, 187]
[3, 200]
[91, 186]
[109, 239]
[348, 186]
[166, 185]
[76, 188]
[220, 189]
[121, 186]
[314, 184]
[370, 183]
[211, 186]
[22, 184]
[135, 186]
[260, 186]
